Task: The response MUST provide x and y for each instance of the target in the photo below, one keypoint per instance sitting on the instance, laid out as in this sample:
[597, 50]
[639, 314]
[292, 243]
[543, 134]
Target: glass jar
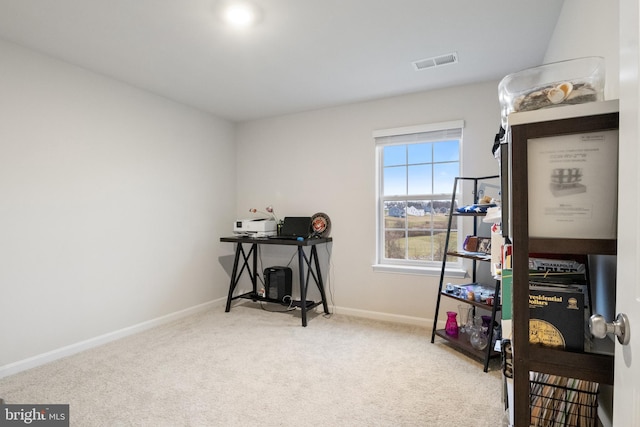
[572, 81]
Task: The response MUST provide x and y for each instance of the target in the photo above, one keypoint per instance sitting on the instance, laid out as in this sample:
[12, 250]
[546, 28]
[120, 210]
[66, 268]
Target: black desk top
[275, 241]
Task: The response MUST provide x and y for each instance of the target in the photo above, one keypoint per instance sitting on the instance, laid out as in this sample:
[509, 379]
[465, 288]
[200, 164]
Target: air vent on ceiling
[435, 61]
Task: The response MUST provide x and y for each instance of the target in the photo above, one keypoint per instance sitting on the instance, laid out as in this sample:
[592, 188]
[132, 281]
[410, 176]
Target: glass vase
[451, 327]
[486, 324]
[478, 339]
[465, 312]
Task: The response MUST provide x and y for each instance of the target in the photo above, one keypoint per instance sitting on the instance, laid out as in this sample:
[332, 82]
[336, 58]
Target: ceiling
[302, 55]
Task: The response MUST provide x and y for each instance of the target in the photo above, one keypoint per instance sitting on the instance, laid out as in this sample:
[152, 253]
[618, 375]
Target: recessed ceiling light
[240, 14]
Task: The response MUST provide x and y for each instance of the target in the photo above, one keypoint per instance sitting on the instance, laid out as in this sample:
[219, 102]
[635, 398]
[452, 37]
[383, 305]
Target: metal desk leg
[303, 288]
[233, 283]
[235, 274]
[254, 276]
[319, 282]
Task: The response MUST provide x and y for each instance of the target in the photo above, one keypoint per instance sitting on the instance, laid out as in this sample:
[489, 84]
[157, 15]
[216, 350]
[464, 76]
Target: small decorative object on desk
[268, 210]
[320, 225]
[451, 327]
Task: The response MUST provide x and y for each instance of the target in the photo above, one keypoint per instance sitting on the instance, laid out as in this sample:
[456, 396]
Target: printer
[259, 227]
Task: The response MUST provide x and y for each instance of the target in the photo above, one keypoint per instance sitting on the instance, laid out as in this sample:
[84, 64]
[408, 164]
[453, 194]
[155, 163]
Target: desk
[308, 266]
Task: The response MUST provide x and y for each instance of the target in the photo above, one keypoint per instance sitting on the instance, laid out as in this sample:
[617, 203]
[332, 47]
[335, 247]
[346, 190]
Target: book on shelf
[556, 316]
[557, 270]
[561, 401]
[544, 271]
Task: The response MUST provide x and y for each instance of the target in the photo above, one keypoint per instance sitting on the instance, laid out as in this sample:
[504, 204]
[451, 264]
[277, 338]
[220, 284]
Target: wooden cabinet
[527, 129]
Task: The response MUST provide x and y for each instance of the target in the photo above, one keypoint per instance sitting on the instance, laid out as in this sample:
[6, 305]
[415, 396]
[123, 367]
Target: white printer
[258, 227]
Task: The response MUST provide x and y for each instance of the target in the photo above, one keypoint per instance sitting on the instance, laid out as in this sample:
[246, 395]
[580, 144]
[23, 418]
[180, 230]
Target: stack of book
[558, 303]
[560, 401]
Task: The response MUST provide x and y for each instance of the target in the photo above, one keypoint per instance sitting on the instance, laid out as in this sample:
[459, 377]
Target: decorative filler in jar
[574, 81]
[451, 327]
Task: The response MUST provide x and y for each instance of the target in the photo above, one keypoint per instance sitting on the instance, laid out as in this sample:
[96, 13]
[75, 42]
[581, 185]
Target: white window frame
[401, 136]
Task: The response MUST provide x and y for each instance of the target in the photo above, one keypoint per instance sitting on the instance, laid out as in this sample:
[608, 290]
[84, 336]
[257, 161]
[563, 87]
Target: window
[416, 170]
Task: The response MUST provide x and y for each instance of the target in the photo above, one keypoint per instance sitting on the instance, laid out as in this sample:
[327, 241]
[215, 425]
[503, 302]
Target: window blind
[423, 133]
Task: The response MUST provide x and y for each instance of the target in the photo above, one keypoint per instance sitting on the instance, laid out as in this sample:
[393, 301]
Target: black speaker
[277, 283]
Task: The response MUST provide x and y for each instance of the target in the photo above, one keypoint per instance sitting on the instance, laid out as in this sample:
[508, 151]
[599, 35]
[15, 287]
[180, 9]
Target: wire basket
[562, 402]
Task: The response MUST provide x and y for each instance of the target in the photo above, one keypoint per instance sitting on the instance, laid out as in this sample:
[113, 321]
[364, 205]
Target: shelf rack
[461, 342]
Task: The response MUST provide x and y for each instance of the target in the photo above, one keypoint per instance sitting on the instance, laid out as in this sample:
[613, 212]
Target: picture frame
[477, 244]
[484, 245]
[572, 181]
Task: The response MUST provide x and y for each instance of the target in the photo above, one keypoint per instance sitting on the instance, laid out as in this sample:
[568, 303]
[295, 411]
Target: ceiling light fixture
[240, 14]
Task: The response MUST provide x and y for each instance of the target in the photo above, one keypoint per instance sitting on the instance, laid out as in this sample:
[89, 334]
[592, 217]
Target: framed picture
[477, 244]
[573, 185]
[484, 245]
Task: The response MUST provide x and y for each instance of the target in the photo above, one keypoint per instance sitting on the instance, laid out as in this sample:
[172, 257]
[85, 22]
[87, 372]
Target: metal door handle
[620, 327]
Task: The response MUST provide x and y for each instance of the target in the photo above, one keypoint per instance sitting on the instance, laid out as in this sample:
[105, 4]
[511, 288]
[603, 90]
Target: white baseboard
[50, 356]
[386, 317]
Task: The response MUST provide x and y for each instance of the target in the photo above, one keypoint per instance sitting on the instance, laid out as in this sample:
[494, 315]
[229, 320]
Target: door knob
[620, 327]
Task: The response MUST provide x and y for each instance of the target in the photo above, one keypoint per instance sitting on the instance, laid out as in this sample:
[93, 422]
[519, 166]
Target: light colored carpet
[251, 367]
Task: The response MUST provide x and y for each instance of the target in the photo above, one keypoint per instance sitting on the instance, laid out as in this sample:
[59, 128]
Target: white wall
[589, 28]
[112, 202]
[324, 161]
